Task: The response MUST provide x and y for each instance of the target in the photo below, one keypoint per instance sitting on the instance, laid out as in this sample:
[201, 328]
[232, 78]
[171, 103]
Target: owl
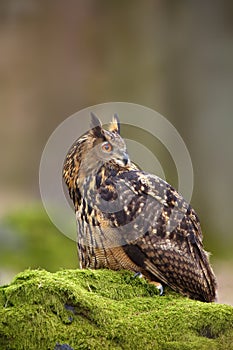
[130, 219]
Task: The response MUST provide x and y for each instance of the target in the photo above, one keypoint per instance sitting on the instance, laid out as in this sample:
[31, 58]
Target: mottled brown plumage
[129, 219]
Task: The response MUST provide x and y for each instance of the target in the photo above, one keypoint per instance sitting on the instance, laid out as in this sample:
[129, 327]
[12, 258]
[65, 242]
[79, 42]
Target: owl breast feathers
[129, 219]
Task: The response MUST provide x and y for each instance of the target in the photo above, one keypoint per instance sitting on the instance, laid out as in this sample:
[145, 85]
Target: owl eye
[106, 147]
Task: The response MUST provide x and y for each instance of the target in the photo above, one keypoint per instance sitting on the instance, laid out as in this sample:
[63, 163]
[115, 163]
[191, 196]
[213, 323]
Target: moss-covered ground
[102, 309]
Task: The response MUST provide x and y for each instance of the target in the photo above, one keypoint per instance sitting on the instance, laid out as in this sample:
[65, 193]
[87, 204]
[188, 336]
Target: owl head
[108, 145]
[94, 149]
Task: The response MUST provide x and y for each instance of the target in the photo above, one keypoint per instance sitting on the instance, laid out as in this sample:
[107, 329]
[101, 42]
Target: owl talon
[157, 284]
[160, 288]
[138, 274]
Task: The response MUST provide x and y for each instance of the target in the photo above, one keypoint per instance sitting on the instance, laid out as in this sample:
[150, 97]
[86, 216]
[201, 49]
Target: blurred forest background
[57, 57]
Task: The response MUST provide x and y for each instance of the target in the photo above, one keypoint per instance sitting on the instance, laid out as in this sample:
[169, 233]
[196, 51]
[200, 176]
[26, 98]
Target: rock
[102, 309]
[62, 347]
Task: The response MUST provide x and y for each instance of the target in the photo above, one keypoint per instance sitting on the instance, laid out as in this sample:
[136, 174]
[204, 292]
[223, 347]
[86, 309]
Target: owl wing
[162, 234]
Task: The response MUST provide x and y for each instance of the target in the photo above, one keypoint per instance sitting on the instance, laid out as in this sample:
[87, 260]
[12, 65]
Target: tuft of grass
[103, 309]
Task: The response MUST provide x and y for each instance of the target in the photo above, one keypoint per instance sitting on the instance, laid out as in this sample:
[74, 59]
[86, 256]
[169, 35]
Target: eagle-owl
[129, 219]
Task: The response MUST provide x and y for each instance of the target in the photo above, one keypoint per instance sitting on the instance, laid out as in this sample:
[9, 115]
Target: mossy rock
[102, 309]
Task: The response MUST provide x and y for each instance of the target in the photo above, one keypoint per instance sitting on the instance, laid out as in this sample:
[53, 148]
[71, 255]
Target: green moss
[106, 310]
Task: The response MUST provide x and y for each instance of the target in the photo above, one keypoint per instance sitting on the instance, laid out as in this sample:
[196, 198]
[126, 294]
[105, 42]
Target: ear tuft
[115, 124]
[95, 120]
[96, 126]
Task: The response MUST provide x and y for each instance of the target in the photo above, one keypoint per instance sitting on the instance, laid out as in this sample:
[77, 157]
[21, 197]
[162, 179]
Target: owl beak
[123, 159]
